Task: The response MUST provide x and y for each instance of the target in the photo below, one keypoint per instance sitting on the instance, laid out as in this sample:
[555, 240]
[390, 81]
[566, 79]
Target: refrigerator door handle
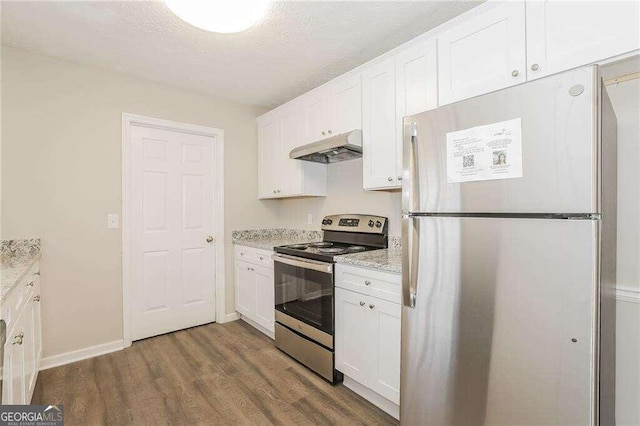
[410, 225]
[410, 254]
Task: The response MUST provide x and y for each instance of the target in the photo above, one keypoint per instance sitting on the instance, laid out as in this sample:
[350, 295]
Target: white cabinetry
[279, 176]
[379, 126]
[368, 325]
[483, 53]
[416, 87]
[255, 296]
[564, 34]
[23, 348]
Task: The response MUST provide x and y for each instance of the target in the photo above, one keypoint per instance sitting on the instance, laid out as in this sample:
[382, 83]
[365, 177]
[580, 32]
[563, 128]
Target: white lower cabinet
[368, 332]
[255, 296]
[23, 347]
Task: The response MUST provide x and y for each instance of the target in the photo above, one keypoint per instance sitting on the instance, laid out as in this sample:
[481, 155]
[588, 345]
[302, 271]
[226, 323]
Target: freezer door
[558, 122]
[503, 330]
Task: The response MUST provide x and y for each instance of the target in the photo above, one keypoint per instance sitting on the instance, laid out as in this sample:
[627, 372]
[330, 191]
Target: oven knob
[370, 224]
[378, 224]
[324, 221]
[329, 221]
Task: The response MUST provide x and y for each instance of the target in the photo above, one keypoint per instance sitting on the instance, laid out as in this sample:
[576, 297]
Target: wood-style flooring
[215, 374]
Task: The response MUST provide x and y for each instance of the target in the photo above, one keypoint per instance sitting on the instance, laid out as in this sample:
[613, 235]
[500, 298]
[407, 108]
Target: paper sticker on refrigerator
[492, 151]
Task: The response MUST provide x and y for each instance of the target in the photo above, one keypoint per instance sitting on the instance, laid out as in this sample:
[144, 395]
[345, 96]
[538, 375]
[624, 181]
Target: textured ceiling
[299, 45]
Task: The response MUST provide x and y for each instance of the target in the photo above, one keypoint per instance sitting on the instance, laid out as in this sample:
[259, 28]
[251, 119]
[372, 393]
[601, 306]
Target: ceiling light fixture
[219, 16]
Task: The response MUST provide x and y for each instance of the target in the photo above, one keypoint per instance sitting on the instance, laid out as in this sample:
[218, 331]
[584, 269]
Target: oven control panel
[355, 223]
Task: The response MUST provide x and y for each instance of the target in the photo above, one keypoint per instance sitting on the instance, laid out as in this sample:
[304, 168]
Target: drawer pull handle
[362, 303]
[367, 283]
[18, 339]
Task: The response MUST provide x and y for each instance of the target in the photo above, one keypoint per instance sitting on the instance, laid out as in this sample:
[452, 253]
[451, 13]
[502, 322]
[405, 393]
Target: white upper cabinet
[483, 53]
[416, 87]
[379, 126]
[345, 104]
[315, 105]
[568, 34]
[270, 151]
[280, 131]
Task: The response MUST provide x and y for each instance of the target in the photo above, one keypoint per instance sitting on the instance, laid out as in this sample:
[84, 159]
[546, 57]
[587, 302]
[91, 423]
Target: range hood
[346, 146]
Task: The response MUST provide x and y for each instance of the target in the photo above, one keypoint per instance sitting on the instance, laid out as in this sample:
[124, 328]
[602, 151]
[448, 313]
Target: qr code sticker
[467, 161]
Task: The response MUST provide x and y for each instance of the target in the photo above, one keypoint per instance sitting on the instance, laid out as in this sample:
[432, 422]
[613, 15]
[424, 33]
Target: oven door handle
[315, 265]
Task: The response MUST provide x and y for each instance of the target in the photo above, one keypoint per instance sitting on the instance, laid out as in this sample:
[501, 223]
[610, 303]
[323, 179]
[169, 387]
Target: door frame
[128, 121]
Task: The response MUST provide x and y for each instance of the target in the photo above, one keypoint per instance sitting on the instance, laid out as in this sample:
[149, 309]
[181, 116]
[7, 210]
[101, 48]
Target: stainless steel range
[304, 292]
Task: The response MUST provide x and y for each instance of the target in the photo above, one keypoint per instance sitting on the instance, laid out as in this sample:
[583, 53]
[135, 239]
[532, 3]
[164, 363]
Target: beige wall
[344, 195]
[625, 98]
[61, 175]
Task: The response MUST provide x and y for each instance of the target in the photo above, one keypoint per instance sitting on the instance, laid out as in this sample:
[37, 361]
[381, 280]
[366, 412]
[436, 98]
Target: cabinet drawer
[386, 286]
[263, 258]
[247, 254]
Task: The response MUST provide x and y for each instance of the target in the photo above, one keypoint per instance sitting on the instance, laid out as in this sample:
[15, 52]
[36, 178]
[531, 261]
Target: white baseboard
[80, 354]
[627, 294]
[376, 399]
[229, 317]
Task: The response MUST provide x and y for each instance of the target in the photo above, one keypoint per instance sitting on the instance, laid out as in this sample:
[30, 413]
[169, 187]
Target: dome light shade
[219, 16]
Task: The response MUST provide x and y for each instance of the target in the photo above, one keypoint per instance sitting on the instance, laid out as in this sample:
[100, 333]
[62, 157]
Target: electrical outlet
[112, 221]
[310, 218]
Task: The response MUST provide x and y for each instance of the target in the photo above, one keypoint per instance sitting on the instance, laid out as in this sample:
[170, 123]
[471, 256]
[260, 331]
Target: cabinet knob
[261, 258]
[18, 339]
[274, 191]
[362, 303]
[330, 132]
[210, 239]
[390, 179]
[37, 273]
[371, 306]
[515, 73]
[535, 67]
[399, 177]
[324, 133]
[279, 191]
[30, 284]
[367, 283]
[36, 298]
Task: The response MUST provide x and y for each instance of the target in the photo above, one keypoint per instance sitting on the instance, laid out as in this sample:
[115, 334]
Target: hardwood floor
[212, 374]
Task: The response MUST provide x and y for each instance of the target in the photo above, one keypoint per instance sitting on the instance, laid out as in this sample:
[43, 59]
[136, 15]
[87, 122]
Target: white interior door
[172, 214]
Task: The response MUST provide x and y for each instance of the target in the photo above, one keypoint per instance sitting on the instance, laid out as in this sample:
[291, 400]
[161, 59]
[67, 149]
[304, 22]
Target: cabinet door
[245, 288]
[379, 126]
[563, 34]
[13, 380]
[29, 348]
[385, 319]
[482, 54]
[352, 349]
[269, 157]
[416, 87]
[265, 305]
[345, 104]
[316, 115]
[291, 135]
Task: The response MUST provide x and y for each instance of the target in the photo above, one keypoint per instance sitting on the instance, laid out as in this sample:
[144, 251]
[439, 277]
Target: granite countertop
[267, 239]
[16, 258]
[387, 260]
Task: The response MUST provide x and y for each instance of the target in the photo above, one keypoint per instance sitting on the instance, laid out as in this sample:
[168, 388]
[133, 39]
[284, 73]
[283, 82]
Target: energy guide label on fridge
[492, 151]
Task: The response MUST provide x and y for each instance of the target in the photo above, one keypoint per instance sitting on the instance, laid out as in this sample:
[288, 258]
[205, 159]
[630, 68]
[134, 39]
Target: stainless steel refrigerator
[509, 249]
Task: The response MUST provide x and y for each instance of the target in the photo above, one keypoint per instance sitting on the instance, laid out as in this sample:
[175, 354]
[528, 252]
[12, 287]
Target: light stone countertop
[386, 260]
[267, 239]
[16, 258]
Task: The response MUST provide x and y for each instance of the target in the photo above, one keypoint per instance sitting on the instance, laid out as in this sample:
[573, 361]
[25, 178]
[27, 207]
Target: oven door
[304, 290]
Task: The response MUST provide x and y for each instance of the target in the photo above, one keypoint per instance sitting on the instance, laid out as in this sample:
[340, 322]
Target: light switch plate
[310, 219]
[112, 221]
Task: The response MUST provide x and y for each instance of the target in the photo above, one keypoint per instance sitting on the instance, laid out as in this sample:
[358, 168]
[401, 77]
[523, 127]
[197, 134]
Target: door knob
[210, 239]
